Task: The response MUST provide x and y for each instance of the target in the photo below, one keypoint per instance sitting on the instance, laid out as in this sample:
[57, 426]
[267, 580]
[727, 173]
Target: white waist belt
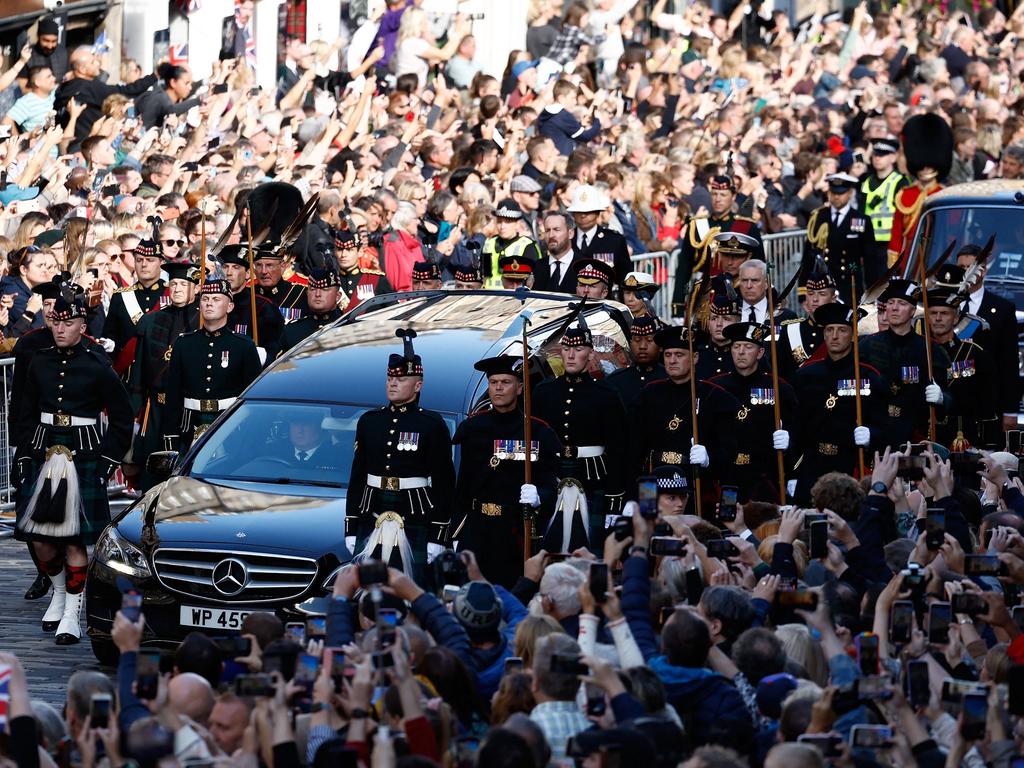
[397, 483]
[63, 420]
[587, 451]
[208, 406]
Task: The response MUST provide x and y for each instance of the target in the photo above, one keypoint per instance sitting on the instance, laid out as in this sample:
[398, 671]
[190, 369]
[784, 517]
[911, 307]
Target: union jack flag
[178, 54]
[5, 695]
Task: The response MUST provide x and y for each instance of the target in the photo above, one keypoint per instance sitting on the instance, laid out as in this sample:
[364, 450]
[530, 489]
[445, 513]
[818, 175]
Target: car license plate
[213, 618]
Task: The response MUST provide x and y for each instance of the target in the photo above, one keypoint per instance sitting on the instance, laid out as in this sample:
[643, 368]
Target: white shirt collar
[299, 455]
[974, 301]
[589, 234]
[844, 211]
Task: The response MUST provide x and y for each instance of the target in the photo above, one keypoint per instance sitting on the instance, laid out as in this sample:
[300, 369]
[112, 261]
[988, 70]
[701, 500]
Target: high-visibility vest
[880, 205]
[490, 254]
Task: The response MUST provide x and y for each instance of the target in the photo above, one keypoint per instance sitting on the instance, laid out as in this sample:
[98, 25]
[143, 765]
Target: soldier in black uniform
[322, 297]
[516, 271]
[157, 332]
[800, 338]
[490, 493]
[25, 350]
[661, 422]
[269, 321]
[403, 479]
[971, 419]
[899, 355]
[289, 298]
[828, 407]
[715, 355]
[209, 369]
[468, 278]
[844, 237]
[426, 276]
[357, 284]
[694, 253]
[129, 305]
[63, 469]
[594, 279]
[646, 366]
[590, 419]
[754, 464]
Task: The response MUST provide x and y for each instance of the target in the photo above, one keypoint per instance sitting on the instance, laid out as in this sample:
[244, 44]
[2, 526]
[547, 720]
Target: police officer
[714, 348]
[700, 231]
[879, 189]
[63, 468]
[322, 297]
[490, 493]
[157, 332]
[754, 422]
[594, 278]
[209, 368]
[899, 355]
[828, 402]
[468, 278]
[357, 284]
[646, 365]
[269, 321]
[129, 305]
[509, 243]
[972, 381]
[289, 298]
[402, 480]
[25, 350]
[661, 422]
[799, 339]
[426, 276]
[590, 419]
[844, 238]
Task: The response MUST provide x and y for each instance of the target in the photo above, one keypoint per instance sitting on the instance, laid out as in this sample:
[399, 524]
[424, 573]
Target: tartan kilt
[418, 536]
[93, 493]
[193, 424]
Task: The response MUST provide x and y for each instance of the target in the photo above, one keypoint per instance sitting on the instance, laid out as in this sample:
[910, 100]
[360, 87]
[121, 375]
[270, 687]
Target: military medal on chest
[408, 441]
[224, 358]
[674, 423]
[830, 402]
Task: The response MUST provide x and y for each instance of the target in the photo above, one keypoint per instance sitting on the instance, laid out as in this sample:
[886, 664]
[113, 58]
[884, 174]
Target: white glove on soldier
[108, 345]
[433, 550]
[791, 487]
[699, 455]
[780, 440]
[862, 436]
[933, 394]
[528, 495]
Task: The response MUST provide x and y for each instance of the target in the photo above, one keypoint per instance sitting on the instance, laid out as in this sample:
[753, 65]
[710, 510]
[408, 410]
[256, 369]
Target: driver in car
[309, 445]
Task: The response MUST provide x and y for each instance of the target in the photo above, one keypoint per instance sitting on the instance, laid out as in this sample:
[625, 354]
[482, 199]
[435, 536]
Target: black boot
[40, 587]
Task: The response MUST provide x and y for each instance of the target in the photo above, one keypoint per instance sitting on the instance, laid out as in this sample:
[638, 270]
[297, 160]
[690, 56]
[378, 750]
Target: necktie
[556, 274]
[303, 456]
[583, 243]
[752, 315]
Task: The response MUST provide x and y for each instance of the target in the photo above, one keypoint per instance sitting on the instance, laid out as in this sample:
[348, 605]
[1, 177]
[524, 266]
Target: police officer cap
[886, 146]
[900, 289]
[835, 313]
[753, 332]
[673, 337]
[671, 479]
[502, 364]
[508, 209]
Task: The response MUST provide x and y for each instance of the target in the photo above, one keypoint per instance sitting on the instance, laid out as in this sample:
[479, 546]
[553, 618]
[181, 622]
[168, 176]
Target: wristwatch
[358, 714]
[638, 550]
[319, 706]
[879, 487]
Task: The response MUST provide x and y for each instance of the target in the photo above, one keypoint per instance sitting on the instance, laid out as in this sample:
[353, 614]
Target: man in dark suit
[844, 238]
[999, 339]
[309, 446]
[554, 273]
[591, 240]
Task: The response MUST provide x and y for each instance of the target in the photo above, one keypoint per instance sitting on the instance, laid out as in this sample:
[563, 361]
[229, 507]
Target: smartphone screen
[1015, 698]
[99, 711]
[599, 581]
[296, 632]
[974, 714]
[513, 664]
[935, 528]
[647, 497]
[919, 690]
[131, 605]
[1013, 440]
[306, 668]
[901, 622]
[939, 617]
[316, 627]
[147, 675]
[727, 506]
[867, 653]
[819, 540]
[871, 736]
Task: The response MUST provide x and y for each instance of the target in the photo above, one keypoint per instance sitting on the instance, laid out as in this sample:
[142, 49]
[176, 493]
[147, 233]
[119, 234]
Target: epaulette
[745, 218]
[372, 272]
[126, 289]
[793, 320]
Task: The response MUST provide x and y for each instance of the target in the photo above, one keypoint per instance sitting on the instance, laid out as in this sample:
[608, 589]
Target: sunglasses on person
[169, 243]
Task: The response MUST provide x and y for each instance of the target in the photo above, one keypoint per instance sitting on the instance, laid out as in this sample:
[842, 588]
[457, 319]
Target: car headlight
[119, 555]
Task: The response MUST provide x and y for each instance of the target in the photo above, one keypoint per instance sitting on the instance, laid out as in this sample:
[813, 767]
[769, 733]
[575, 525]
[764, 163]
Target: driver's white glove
[699, 455]
[933, 394]
[862, 436]
[528, 495]
[433, 550]
[780, 439]
[107, 344]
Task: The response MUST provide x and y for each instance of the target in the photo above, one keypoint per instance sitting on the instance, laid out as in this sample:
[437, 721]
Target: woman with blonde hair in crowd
[804, 650]
[528, 634]
[31, 225]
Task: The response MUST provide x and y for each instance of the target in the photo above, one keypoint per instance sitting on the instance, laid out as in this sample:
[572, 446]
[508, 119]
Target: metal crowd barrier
[783, 250]
[7, 452]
